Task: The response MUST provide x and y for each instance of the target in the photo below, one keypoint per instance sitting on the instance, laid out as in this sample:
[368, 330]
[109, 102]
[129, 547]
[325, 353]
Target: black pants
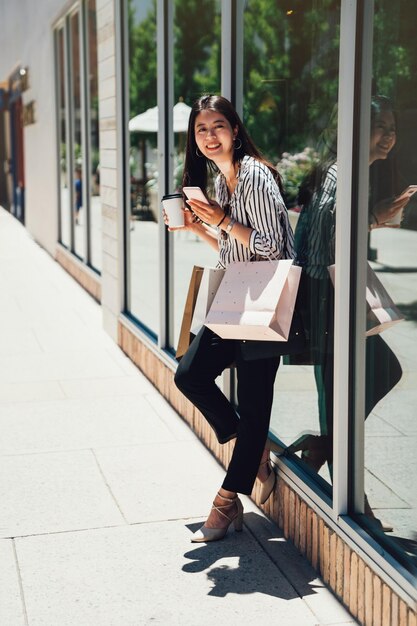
[206, 358]
[383, 372]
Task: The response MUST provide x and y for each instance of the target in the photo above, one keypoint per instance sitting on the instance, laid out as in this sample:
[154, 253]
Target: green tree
[196, 48]
[142, 60]
[290, 71]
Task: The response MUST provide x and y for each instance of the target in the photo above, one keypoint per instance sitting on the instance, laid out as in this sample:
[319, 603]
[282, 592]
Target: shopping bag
[381, 312]
[255, 301]
[210, 282]
[184, 339]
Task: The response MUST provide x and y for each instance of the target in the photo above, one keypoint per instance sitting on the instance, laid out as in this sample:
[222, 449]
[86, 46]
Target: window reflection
[290, 74]
[143, 212]
[77, 156]
[95, 201]
[64, 199]
[391, 362]
[197, 49]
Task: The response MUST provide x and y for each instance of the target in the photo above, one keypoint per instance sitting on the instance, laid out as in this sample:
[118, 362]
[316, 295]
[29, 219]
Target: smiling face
[214, 136]
[383, 136]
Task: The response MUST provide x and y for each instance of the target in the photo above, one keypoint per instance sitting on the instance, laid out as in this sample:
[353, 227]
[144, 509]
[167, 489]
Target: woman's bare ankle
[224, 493]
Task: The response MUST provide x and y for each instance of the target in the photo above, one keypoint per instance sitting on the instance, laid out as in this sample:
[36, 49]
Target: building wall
[33, 48]
[112, 221]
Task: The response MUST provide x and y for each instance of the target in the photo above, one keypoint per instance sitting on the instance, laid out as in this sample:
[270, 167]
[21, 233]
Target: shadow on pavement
[257, 566]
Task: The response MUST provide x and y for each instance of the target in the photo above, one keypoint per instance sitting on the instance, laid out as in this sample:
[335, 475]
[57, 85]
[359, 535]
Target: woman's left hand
[386, 210]
[211, 214]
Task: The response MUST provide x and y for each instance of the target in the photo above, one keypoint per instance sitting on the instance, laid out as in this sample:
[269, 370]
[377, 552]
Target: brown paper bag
[184, 339]
[255, 301]
[209, 285]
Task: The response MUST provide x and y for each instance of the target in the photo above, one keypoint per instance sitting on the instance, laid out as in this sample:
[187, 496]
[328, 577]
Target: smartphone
[398, 217]
[195, 193]
[408, 191]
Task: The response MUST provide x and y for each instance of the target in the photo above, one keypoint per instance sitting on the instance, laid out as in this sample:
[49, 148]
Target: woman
[314, 243]
[248, 221]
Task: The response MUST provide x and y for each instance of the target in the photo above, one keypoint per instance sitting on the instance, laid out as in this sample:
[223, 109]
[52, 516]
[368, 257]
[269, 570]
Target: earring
[238, 147]
[198, 153]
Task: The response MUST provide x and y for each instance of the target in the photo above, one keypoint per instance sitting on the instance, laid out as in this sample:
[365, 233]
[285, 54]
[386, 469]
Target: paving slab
[80, 423]
[106, 387]
[43, 366]
[12, 611]
[30, 391]
[49, 493]
[161, 481]
[171, 419]
[321, 601]
[151, 574]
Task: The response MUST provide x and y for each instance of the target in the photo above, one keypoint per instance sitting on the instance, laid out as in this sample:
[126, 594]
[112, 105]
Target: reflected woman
[315, 249]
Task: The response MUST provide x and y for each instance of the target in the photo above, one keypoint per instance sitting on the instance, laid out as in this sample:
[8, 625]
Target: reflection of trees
[142, 60]
[196, 48]
[395, 52]
[291, 58]
[290, 71]
[196, 52]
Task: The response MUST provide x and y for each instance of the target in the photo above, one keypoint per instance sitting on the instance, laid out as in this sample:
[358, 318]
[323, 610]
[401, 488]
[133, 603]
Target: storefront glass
[390, 356]
[94, 200]
[290, 89]
[78, 209]
[143, 212]
[64, 193]
[197, 49]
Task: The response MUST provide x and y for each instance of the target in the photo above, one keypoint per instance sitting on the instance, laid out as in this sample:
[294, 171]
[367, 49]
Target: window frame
[64, 25]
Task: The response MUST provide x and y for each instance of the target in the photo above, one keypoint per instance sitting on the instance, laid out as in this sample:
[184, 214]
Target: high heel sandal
[268, 485]
[204, 534]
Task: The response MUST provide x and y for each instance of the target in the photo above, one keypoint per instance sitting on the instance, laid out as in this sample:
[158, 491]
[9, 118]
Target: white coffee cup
[173, 206]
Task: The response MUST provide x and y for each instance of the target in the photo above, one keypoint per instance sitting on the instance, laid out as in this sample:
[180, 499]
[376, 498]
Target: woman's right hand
[189, 223]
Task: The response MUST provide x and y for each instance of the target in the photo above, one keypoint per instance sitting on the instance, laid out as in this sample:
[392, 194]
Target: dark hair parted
[315, 178]
[197, 166]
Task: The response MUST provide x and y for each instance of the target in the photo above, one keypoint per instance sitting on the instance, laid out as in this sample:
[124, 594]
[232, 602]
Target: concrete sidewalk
[102, 483]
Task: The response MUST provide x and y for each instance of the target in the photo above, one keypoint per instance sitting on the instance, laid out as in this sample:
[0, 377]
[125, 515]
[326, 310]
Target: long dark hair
[196, 168]
[315, 179]
[384, 177]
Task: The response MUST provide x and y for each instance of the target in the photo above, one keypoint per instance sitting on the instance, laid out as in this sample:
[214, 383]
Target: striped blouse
[256, 202]
[316, 237]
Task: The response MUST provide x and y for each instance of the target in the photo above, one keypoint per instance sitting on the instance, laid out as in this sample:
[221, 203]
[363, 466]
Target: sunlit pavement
[102, 483]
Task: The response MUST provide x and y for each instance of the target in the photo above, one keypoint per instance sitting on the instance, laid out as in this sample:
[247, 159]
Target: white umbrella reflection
[147, 122]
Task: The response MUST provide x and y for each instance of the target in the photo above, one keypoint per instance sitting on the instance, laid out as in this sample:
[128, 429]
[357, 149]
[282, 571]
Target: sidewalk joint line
[107, 484]
[20, 581]
[283, 572]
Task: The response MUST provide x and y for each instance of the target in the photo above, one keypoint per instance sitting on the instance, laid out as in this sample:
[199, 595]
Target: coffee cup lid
[172, 195]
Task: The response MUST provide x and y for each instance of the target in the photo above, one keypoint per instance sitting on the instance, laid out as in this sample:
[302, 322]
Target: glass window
[391, 357]
[290, 90]
[197, 48]
[64, 194]
[79, 218]
[95, 202]
[143, 212]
